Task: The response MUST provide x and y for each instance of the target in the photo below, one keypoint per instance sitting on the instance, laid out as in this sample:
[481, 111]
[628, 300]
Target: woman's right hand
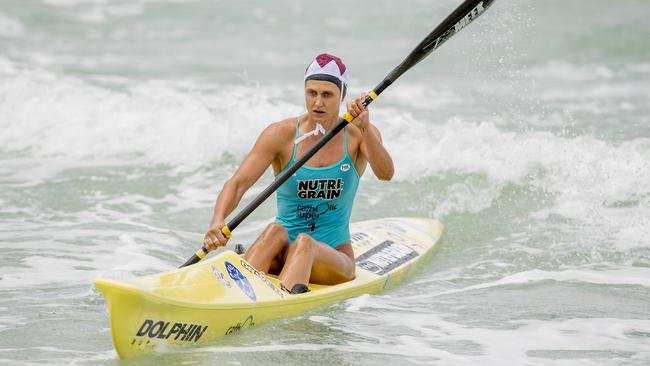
[215, 238]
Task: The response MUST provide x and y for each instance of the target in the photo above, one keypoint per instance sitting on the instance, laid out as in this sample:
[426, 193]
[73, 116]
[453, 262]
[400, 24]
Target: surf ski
[224, 294]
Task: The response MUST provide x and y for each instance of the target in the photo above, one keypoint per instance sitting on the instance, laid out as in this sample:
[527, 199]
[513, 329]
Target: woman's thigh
[332, 266]
[278, 262]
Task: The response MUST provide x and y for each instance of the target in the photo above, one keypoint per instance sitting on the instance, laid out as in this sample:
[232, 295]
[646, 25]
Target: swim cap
[328, 68]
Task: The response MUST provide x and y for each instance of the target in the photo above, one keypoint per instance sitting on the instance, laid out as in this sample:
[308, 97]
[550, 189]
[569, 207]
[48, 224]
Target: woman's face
[323, 100]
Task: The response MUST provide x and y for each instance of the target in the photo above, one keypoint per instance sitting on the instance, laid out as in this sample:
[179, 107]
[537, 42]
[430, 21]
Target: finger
[221, 239]
[350, 108]
[360, 103]
[363, 116]
[211, 240]
[356, 110]
[207, 244]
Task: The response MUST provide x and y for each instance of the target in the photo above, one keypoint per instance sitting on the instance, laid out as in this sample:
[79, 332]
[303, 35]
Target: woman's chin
[322, 117]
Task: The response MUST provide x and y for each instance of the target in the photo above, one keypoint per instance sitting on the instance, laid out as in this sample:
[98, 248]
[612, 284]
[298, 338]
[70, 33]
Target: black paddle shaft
[464, 14]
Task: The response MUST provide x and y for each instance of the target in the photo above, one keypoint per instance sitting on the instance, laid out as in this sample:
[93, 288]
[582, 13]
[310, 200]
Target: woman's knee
[269, 243]
[276, 231]
[303, 244]
[350, 272]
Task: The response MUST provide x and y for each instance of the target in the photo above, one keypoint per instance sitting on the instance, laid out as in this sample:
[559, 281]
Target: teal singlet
[318, 201]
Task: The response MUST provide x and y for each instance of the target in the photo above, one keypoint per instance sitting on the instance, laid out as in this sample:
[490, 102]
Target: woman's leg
[268, 248]
[309, 260]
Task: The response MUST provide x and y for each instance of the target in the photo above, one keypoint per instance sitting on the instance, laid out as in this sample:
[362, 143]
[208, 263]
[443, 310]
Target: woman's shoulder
[283, 129]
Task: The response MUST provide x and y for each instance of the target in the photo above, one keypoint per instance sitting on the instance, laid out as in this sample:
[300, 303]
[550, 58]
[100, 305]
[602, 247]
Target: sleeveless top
[318, 201]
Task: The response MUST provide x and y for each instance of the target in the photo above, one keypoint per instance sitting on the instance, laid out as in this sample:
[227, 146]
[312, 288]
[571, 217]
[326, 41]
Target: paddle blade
[464, 14]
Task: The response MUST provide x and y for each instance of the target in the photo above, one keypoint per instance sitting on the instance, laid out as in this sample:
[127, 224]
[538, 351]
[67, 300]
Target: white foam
[67, 3]
[586, 176]
[587, 87]
[425, 98]
[60, 262]
[44, 270]
[422, 331]
[621, 276]
[50, 115]
[10, 27]
[100, 12]
[640, 68]
[74, 3]
[562, 71]
[47, 116]
[433, 338]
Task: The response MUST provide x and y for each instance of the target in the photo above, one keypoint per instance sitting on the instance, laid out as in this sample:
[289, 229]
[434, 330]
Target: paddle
[464, 14]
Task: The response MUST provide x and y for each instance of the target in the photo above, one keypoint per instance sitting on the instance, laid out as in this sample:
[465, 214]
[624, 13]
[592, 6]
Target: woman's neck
[310, 124]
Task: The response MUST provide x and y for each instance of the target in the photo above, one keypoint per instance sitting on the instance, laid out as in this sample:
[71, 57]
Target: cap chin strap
[315, 132]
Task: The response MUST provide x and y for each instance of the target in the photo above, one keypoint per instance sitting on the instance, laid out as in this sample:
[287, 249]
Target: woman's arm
[265, 150]
[371, 146]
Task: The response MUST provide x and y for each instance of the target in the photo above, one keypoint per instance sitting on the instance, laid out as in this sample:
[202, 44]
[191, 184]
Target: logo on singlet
[345, 167]
[326, 189]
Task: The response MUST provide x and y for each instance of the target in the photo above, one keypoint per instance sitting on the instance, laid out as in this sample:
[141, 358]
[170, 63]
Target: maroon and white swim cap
[328, 68]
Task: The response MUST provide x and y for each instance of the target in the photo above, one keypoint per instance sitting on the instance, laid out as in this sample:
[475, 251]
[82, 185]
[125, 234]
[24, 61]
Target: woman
[310, 238]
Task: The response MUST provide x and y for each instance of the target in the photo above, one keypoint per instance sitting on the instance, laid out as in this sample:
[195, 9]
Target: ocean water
[527, 135]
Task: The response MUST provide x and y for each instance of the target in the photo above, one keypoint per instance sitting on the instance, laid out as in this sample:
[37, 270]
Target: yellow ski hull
[224, 294]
